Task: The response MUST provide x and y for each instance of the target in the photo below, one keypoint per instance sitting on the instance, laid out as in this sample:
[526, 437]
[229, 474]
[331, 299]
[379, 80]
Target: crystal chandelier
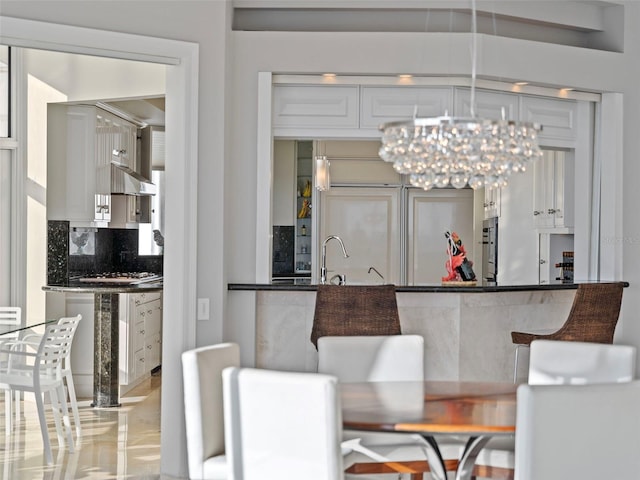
[456, 151]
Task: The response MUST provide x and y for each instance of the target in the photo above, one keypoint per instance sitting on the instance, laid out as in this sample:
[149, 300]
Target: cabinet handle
[142, 332]
[551, 211]
[542, 262]
[485, 204]
[537, 212]
[491, 204]
[149, 347]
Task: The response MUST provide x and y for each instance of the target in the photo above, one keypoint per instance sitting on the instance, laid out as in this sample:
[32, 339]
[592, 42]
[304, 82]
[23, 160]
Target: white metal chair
[282, 425]
[374, 359]
[204, 414]
[67, 373]
[33, 340]
[578, 431]
[9, 317]
[40, 372]
[558, 362]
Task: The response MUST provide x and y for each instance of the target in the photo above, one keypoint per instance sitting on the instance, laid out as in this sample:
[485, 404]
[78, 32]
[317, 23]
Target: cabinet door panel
[391, 104]
[152, 352]
[366, 219]
[315, 106]
[564, 190]
[544, 190]
[139, 334]
[557, 117]
[553, 192]
[80, 185]
[431, 214]
[489, 105]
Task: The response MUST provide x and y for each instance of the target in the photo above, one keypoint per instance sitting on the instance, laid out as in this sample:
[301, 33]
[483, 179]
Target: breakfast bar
[466, 329]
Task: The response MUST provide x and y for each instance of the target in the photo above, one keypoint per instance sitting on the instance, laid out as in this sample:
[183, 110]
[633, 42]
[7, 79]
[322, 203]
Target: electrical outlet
[203, 309]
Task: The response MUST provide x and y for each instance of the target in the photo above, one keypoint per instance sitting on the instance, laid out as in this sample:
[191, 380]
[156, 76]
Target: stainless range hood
[126, 181]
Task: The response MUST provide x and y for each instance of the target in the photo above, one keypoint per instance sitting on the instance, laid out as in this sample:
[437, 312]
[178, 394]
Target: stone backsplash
[72, 252]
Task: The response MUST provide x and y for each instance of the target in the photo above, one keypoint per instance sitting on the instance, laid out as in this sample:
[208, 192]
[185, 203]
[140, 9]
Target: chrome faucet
[323, 268]
[376, 270]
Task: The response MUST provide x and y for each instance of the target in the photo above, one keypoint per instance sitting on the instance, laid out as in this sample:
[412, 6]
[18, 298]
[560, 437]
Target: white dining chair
[40, 372]
[283, 425]
[9, 317]
[559, 362]
[203, 409]
[33, 339]
[553, 362]
[578, 431]
[376, 359]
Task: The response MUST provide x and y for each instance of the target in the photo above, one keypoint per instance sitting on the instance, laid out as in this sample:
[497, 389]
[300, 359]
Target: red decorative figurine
[459, 267]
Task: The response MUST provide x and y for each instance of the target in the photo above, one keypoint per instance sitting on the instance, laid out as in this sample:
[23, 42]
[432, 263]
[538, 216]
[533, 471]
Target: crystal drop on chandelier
[443, 151]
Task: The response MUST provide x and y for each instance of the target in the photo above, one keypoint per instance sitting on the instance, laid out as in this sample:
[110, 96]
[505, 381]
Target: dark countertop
[81, 287]
[418, 288]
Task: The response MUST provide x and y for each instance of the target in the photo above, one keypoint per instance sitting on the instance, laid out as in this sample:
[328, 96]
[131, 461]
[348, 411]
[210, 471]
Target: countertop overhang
[417, 288]
[81, 287]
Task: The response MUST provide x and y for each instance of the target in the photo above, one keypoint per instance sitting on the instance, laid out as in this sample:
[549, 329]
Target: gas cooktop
[126, 278]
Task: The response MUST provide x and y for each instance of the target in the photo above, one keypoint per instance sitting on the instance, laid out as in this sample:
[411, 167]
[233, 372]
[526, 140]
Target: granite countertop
[279, 286]
[81, 287]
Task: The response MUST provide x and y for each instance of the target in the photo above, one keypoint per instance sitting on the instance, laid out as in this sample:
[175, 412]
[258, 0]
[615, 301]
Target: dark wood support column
[105, 350]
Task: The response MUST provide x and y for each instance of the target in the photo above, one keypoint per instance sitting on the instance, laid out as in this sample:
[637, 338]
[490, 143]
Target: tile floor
[116, 443]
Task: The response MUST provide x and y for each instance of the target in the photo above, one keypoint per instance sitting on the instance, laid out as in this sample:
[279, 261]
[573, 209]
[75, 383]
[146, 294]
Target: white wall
[206, 24]
[84, 77]
[229, 66]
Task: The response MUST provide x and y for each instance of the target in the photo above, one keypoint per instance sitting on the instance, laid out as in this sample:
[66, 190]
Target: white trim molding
[181, 213]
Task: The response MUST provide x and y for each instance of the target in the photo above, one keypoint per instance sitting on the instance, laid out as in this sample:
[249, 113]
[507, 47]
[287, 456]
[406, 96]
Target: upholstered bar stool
[355, 310]
[593, 318]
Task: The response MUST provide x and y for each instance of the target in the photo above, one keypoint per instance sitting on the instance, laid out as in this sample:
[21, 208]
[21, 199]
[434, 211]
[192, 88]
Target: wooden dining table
[476, 411]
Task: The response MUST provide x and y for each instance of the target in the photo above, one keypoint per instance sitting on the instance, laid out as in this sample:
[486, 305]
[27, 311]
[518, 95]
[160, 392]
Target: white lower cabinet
[140, 337]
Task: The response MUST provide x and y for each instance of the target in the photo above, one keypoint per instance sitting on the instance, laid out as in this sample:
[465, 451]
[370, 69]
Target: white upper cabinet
[81, 141]
[557, 117]
[489, 104]
[379, 105]
[492, 202]
[553, 192]
[78, 166]
[347, 110]
[321, 106]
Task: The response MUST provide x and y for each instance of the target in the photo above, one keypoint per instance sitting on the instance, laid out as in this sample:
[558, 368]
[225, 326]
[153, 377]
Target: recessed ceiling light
[405, 76]
[329, 75]
[520, 84]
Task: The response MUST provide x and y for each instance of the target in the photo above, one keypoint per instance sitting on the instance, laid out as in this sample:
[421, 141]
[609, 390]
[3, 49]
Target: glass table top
[6, 330]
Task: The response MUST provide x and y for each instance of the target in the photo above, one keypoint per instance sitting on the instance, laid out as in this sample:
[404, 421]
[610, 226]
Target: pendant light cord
[473, 58]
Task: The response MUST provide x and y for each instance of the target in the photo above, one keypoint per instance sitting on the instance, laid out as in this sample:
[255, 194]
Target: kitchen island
[466, 329]
[106, 333]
